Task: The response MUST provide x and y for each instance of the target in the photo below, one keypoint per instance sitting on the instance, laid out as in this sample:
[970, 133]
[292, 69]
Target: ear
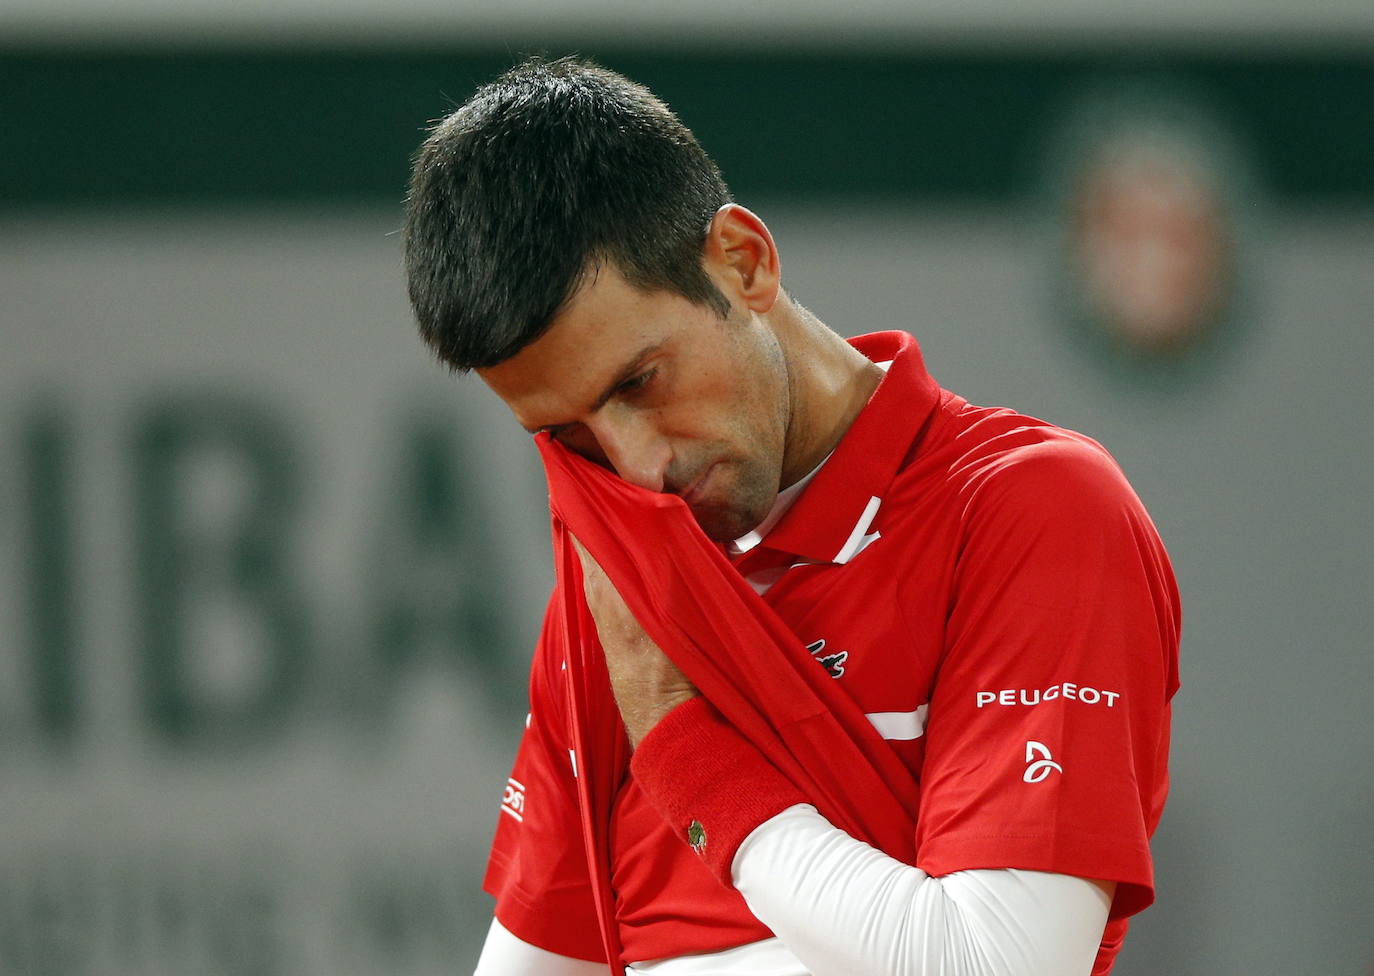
[742, 259]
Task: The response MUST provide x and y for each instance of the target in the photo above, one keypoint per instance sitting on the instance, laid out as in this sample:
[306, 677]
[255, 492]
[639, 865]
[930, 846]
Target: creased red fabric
[731, 645]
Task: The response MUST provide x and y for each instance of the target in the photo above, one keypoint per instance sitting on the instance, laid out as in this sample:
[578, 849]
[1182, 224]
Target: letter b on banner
[222, 624]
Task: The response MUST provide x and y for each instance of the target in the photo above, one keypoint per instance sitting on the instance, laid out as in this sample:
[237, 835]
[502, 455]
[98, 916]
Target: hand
[647, 685]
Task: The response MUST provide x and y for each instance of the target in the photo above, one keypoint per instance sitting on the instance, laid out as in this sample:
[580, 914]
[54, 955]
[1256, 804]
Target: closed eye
[625, 388]
[636, 383]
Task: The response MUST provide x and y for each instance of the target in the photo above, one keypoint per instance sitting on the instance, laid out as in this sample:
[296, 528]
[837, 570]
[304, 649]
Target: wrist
[640, 719]
[709, 783]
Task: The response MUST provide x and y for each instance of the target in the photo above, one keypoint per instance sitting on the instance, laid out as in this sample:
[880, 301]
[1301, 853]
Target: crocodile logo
[833, 663]
[696, 836]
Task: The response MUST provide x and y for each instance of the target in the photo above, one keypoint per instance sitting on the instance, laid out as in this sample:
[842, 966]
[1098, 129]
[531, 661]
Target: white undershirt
[841, 908]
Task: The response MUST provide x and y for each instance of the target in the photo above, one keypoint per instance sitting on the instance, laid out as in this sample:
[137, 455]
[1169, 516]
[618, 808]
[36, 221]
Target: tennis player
[984, 587]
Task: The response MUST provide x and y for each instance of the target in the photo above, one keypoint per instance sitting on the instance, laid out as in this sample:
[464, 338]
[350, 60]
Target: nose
[634, 448]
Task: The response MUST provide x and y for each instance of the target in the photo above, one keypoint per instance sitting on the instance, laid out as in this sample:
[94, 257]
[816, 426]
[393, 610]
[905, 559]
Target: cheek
[740, 394]
[762, 405]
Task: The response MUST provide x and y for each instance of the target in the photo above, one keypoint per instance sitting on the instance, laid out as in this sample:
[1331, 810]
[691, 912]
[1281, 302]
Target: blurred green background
[269, 579]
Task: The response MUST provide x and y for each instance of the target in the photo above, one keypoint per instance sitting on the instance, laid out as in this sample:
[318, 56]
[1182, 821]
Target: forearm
[846, 909]
[503, 954]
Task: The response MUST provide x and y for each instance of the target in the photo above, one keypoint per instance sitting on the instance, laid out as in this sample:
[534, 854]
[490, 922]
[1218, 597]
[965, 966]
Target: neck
[829, 383]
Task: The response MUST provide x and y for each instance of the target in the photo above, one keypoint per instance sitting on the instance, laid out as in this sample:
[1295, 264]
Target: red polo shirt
[991, 593]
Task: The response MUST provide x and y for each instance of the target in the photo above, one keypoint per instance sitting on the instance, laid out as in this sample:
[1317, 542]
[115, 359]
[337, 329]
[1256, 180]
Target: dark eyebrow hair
[626, 372]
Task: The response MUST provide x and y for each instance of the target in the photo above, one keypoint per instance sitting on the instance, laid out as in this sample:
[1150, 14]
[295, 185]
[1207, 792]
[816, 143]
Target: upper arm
[1048, 724]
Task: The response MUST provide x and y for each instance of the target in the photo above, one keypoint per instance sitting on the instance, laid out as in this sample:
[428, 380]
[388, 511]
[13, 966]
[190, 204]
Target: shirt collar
[830, 520]
[781, 504]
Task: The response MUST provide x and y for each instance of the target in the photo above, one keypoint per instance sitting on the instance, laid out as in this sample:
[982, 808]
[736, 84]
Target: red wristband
[711, 784]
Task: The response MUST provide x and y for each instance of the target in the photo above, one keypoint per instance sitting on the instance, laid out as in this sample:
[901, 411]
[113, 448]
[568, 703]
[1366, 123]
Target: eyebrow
[626, 372]
[632, 367]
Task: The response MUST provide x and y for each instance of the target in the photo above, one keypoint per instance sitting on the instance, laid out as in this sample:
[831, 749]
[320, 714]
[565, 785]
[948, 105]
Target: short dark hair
[546, 172]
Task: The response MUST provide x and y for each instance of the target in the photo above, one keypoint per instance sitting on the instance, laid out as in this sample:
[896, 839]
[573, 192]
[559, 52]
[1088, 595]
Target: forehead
[604, 329]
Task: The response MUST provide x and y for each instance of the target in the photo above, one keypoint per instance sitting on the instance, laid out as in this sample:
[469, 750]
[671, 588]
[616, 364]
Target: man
[985, 587]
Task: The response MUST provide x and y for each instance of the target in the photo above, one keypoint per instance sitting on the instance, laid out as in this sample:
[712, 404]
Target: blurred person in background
[985, 587]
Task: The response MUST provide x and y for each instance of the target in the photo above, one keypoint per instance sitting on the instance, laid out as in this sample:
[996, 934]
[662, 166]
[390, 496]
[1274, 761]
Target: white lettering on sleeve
[1030, 697]
[1038, 769]
[513, 800]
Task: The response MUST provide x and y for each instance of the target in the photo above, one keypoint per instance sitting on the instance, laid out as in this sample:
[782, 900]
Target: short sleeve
[1048, 732]
[537, 870]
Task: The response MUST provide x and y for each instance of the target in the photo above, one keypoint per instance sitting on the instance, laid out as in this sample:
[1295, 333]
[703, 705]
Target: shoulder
[1045, 517]
[1006, 463]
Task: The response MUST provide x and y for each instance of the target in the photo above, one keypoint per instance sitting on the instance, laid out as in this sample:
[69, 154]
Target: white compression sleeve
[503, 954]
[846, 909]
